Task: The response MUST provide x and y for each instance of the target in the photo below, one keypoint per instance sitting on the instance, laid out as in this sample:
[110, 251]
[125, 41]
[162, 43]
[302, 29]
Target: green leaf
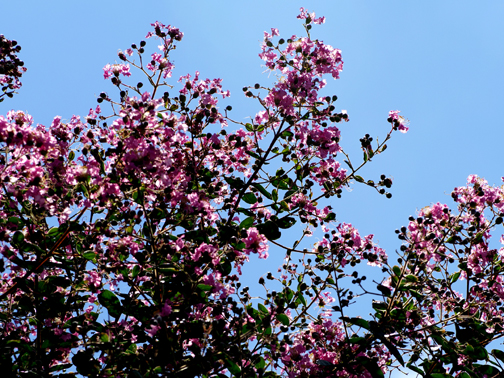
[411, 278]
[479, 353]
[379, 305]
[138, 195]
[158, 213]
[29, 247]
[302, 299]
[415, 369]
[253, 313]
[274, 195]
[359, 322]
[263, 191]
[99, 159]
[286, 222]
[269, 230]
[281, 184]
[83, 189]
[89, 255]
[71, 156]
[330, 217]
[289, 294]
[53, 232]
[254, 155]
[358, 340]
[286, 134]
[245, 211]
[225, 268]
[454, 277]
[261, 364]
[284, 205]
[247, 223]
[262, 308]
[168, 271]
[327, 186]
[232, 367]
[359, 179]
[384, 290]
[62, 367]
[396, 270]
[499, 354]
[392, 349]
[18, 238]
[250, 198]
[135, 271]
[204, 287]
[235, 182]
[349, 164]
[110, 302]
[284, 319]
[371, 366]
[478, 238]
[487, 370]
[17, 221]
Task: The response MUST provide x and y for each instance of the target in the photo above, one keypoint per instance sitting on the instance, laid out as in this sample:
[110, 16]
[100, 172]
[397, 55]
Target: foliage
[11, 67]
[124, 236]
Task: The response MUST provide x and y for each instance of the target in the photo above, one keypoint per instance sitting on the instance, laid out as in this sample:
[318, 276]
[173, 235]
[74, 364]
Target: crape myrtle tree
[124, 235]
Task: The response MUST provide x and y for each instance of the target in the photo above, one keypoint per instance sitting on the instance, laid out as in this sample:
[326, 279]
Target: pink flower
[256, 243]
[153, 330]
[93, 279]
[115, 70]
[303, 15]
[166, 310]
[400, 123]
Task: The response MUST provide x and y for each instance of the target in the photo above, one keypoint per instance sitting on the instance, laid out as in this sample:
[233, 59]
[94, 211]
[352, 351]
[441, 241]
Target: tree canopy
[124, 234]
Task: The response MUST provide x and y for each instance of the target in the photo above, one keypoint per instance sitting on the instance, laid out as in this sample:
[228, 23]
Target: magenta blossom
[256, 243]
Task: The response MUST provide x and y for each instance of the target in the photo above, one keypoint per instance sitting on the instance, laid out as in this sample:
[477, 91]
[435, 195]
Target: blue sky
[439, 62]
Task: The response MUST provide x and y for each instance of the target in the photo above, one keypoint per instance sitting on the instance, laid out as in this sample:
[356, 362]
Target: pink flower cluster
[319, 351]
[116, 70]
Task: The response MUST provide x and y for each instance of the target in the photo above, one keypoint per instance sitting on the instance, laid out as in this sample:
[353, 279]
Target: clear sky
[439, 62]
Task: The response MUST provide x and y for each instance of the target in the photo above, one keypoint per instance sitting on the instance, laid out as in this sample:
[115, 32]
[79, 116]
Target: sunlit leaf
[262, 308]
[247, 223]
[284, 319]
[263, 191]
[274, 195]
[250, 198]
